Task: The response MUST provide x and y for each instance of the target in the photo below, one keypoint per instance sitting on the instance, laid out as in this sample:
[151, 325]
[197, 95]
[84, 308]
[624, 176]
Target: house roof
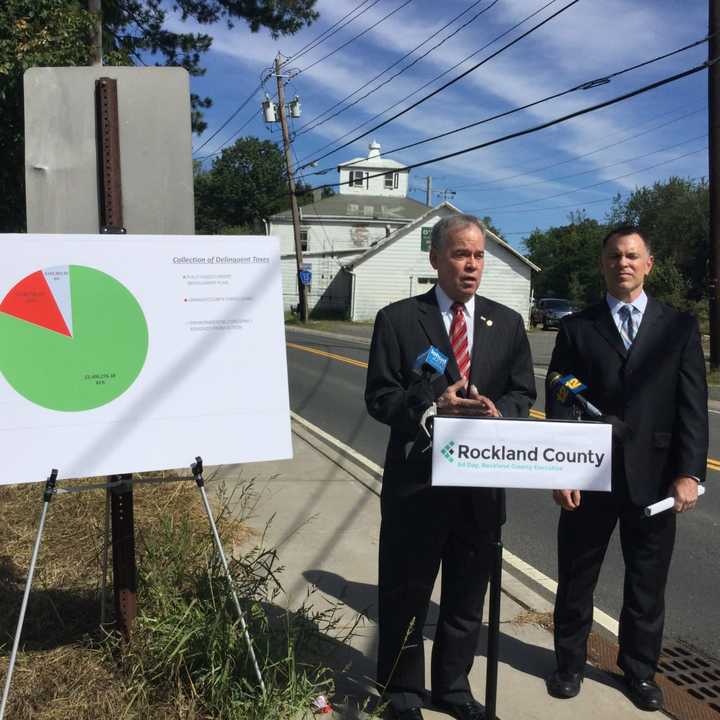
[363, 207]
[401, 232]
[363, 163]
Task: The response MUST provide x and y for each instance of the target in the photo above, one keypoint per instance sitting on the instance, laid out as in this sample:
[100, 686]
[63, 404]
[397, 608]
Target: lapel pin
[486, 321]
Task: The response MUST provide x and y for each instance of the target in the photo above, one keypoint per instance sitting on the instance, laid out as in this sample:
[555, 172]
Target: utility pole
[428, 190]
[95, 7]
[714, 133]
[302, 288]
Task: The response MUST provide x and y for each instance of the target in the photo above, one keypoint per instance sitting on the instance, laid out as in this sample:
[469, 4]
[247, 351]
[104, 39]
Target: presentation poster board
[123, 354]
[507, 453]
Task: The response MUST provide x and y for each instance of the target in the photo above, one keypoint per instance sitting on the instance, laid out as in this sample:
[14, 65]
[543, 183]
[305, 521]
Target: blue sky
[524, 183]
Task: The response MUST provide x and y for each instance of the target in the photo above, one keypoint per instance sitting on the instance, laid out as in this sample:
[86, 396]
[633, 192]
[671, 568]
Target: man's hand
[567, 499]
[490, 409]
[685, 492]
[450, 403]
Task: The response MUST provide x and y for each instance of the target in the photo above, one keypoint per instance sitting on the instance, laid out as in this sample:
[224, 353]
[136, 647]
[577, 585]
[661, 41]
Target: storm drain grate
[697, 675]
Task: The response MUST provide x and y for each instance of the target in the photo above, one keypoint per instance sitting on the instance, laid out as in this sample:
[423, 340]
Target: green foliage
[675, 214]
[488, 223]
[32, 33]
[60, 33]
[246, 184]
[569, 258]
[188, 645]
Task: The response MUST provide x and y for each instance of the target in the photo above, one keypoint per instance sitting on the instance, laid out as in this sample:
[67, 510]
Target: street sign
[305, 277]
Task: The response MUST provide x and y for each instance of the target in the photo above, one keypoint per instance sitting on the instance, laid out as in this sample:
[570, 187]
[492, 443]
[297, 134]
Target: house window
[304, 239]
[391, 181]
[357, 178]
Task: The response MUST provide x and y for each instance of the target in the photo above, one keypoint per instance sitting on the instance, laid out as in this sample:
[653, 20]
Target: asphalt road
[328, 391]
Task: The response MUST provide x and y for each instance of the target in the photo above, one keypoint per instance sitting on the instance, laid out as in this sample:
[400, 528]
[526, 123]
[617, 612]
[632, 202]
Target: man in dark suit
[643, 363]
[490, 373]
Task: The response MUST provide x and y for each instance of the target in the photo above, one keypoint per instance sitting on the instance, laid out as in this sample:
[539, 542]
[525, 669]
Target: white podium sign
[507, 453]
[121, 354]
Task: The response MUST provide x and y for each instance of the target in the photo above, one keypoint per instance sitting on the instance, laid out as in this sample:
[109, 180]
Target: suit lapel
[605, 325]
[646, 334]
[480, 356]
[432, 323]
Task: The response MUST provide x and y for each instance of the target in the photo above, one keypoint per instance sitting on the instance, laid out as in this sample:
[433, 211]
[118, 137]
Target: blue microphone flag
[433, 359]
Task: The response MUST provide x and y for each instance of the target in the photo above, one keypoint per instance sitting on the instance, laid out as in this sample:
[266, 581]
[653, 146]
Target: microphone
[569, 388]
[429, 362]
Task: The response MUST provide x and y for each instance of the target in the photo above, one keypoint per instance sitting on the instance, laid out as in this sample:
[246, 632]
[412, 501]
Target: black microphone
[569, 388]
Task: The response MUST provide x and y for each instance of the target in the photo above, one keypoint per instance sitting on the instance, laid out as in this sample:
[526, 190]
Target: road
[327, 379]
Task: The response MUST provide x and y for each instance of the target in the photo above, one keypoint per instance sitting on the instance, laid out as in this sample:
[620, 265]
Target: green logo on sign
[448, 451]
[425, 236]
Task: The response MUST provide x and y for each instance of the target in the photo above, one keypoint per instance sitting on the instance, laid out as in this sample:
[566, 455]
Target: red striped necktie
[459, 339]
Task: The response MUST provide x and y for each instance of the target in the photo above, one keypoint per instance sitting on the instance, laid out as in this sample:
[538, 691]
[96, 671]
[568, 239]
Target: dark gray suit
[658, 389]
[423, 526]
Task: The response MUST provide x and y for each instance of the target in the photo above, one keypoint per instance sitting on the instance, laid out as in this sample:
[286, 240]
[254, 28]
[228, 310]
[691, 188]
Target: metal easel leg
[494, 627]
[197, 471]
[47, 497]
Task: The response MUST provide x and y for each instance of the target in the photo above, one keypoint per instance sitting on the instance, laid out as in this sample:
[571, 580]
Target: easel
[51, 489]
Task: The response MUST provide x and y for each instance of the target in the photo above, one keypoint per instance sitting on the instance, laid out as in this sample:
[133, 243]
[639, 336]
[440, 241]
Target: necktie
[459, 339]
[628, 326]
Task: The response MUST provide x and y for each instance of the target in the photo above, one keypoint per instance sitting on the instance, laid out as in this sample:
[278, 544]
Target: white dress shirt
[638, 311]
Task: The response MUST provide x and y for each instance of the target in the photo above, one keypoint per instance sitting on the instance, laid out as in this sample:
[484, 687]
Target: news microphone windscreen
[433, 359]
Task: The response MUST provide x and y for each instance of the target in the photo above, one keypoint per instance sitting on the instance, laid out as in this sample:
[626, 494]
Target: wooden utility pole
[302, 288]
[428, 190]
[95, 7]
[714, 133]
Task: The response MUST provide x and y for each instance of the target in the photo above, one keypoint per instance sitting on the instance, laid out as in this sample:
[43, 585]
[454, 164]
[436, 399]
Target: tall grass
[187, 656]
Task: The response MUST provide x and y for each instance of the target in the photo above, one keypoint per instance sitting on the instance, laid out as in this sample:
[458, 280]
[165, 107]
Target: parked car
[549, 311]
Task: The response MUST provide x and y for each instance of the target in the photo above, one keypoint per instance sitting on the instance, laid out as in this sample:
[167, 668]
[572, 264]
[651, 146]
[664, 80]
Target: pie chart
[72, 338]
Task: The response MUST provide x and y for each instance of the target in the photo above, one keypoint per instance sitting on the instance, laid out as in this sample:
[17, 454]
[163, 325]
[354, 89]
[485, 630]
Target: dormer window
[391, 181]
[357, 178]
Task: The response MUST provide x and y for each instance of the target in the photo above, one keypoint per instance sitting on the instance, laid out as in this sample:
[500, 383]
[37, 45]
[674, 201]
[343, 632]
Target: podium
[487, 452]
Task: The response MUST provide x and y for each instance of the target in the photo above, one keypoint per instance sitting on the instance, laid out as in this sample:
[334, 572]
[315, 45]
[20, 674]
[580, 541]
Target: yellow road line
[712, 463]
[332, 356]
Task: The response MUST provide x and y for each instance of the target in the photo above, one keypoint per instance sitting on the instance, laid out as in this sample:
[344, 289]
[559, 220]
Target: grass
[187, 656]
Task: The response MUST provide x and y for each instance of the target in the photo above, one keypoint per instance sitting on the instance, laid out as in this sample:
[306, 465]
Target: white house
[369, 245]
[359, 215]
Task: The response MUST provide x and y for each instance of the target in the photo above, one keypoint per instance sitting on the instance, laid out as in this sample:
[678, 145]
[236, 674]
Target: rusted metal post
[111, 222]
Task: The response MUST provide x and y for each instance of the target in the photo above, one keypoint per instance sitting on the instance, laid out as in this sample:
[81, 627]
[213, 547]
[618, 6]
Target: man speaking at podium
[489, 372]
[642, 362]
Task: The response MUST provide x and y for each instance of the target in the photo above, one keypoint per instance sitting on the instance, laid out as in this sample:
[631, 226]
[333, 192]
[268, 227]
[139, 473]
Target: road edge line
[518, 564]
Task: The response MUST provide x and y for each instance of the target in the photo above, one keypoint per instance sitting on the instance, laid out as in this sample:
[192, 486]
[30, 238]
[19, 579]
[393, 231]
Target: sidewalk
[324, 515]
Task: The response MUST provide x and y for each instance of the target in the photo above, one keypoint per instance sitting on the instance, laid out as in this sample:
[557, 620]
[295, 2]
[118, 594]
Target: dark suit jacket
[657, 388]
[501, 369]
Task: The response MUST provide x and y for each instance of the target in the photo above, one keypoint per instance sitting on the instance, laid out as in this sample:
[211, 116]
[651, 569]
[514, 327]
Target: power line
[443, 87]
[582, 86]
[548, 181]
[550, 123]
[323, 36]
[235, 134]
[307, 127]
[597, 184]
[356, 37]
[233, 115]
[574, 158]
[574, 206]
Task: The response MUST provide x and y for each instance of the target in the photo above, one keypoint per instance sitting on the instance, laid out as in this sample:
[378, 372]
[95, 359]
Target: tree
[246, 184]
[488, 223]
[675, 214]
[60, 33]
[569, 258]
